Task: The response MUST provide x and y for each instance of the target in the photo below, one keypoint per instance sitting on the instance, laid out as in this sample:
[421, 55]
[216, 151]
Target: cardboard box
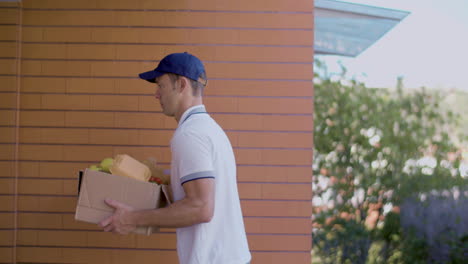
[95, 186]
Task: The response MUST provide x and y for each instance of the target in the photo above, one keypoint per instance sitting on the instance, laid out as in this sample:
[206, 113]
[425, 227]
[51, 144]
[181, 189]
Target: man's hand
[119, 222]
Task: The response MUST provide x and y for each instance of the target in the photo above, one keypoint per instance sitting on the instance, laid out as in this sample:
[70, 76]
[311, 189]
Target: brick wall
[77, 100]
[9, 16]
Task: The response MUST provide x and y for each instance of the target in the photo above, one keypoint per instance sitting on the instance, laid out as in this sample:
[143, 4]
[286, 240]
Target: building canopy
[348, 29]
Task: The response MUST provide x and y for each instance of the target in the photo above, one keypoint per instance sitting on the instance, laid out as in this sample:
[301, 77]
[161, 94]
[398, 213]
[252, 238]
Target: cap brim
[150, 76]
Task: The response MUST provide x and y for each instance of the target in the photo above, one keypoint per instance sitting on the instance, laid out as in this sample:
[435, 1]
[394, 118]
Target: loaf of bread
[124, 165]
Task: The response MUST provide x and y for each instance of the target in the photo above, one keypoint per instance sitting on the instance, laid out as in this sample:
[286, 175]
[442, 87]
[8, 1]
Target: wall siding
[77, 99]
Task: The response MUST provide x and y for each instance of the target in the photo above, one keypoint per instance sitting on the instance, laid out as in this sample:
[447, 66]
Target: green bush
[373, 149]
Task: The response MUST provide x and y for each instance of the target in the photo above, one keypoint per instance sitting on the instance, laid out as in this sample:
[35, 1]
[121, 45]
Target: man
[206, 209]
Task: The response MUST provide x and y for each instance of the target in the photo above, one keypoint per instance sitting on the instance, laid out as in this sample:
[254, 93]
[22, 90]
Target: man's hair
[198, 87]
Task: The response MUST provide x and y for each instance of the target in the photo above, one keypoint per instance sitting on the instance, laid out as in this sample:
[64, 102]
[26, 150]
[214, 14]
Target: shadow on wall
[441, 219]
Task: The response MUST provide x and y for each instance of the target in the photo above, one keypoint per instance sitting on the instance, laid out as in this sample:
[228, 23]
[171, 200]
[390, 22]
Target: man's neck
[186, 105]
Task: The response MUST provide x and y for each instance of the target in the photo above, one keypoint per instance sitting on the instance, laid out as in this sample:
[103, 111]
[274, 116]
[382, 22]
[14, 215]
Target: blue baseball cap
[184, 64]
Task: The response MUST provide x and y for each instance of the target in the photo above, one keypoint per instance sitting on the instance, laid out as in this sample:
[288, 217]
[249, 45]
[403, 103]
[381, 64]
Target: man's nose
[157, 95]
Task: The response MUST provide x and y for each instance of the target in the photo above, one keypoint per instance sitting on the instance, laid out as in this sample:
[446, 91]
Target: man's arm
[197, 207]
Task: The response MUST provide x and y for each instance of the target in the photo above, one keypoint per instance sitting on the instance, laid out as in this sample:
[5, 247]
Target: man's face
[167, 94]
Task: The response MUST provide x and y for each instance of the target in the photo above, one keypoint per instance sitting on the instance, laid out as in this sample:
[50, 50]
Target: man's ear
[183, 83]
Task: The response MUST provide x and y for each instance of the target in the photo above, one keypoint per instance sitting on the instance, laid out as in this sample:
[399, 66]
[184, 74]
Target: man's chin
[166, 113]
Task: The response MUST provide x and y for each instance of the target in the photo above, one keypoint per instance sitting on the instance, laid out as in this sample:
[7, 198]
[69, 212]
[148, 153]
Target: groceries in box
[141, 185]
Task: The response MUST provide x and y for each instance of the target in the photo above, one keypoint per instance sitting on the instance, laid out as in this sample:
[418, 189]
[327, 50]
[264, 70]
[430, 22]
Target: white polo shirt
[201, 149]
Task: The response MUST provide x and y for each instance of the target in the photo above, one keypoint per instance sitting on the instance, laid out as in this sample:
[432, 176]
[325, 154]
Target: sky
[427, 48]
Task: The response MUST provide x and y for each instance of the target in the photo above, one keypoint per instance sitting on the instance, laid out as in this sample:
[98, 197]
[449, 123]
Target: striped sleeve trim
[197, 175]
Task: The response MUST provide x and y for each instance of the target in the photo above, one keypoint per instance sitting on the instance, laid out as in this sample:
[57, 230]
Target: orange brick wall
[9, 34]
[77, 100]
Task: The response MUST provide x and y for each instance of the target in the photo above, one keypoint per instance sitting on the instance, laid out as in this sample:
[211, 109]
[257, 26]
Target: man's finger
[105, 222]
[112, 203]
[117, 205]
[108, 228]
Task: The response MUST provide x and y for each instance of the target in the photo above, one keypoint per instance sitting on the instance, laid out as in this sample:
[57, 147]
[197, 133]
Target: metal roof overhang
[348, 29]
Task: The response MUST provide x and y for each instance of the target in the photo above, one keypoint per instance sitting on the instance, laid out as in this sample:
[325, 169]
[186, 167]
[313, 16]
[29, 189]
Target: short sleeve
[193, 156]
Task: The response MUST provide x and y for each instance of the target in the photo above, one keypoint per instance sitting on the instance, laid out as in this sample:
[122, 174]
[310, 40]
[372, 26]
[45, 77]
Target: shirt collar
[192, 110]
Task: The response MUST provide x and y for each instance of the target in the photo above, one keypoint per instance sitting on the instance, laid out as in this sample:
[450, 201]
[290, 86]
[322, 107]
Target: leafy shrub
[374, 148]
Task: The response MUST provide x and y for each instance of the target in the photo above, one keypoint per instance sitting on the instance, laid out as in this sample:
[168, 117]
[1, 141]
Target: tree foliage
[374, 148]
